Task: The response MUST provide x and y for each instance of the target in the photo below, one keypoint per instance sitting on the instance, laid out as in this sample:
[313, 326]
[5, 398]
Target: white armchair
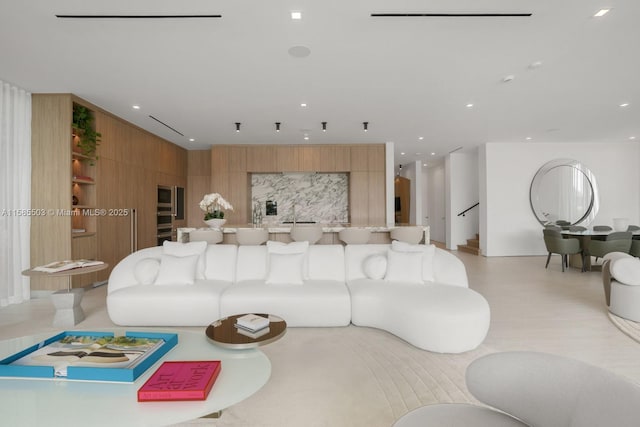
[621, 281]
[536, 390]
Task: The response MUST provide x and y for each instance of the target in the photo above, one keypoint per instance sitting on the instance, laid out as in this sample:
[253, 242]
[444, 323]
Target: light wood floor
[532, 308]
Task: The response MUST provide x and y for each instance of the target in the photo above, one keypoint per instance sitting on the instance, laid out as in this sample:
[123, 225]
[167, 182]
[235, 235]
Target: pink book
[180, 380]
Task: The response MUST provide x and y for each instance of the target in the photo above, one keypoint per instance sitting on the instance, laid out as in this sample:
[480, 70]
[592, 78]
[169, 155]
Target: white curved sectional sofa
[417, 292]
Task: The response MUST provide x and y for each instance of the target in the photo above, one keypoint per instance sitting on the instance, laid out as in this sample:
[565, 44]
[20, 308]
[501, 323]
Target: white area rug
[629, 327]
[349, 376]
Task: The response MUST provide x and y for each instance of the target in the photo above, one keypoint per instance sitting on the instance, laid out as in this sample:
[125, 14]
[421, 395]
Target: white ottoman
[438, 318]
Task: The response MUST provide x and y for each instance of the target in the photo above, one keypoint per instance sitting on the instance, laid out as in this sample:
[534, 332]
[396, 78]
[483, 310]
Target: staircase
[472, 246]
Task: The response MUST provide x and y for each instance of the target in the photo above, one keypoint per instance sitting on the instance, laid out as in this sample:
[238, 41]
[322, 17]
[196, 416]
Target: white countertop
[286, 228]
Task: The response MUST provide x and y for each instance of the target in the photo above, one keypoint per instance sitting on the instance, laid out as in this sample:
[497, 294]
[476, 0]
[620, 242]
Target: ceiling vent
[63, 16]
[450, 15]
[166, 125]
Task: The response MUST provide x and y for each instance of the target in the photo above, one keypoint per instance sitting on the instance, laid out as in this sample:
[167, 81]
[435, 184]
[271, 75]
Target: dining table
[585, 237]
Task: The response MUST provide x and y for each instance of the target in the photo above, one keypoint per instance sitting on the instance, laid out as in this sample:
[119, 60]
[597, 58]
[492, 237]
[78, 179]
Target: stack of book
[252, 325]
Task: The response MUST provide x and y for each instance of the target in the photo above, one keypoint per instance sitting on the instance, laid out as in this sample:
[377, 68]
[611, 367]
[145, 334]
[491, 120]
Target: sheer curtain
[15, 192]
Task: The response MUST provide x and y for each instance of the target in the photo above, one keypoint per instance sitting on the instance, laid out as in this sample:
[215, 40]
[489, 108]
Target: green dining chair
[618, 241]
[635, 248]
[577, 228]
[556, 244]
[602, 228]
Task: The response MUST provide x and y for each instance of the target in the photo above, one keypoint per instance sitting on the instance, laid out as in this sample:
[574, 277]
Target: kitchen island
[281, 232]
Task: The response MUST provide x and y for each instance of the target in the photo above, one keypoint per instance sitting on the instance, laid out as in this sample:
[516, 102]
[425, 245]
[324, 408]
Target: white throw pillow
[404, 267]
[146, 270]
[375, 266]
[429, 251]
[175, 270]
[285, 269]
[274, 247]
[626, 270]
[180, 249]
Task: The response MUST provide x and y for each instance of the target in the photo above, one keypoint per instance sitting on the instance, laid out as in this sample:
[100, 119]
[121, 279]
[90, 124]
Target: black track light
[365, 126]
[324, 126]
[237, 126]
[277, 126]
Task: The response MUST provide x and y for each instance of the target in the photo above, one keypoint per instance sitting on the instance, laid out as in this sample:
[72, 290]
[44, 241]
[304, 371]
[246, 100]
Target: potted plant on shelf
[88, 139]
[213, 205]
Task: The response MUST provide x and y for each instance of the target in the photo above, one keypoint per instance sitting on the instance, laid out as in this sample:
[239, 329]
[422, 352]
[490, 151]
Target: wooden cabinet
[232, 166]
[130, 165]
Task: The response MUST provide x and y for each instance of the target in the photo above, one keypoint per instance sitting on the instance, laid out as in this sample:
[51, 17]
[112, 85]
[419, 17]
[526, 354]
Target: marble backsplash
[317, 197]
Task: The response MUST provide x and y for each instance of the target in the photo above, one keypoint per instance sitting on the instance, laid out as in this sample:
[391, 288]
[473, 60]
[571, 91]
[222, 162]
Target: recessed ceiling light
[535, 65]
[528, 138]
[469, 105]
[424, 164]
[601, 12]
[632, 138]
[191, 139]
[303, 105]
[402, 153]
[433, 154]
[136, 107]
[624, 104]
[306, 138]
[296, 16]
[421, 138]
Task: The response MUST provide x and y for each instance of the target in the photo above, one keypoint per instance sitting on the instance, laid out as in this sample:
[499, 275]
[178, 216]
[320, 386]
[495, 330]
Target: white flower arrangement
[213, 205]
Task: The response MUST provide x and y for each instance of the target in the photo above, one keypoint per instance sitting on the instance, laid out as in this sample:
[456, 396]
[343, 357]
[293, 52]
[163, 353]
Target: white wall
[390, 188]
[507, 169]
[462, 193]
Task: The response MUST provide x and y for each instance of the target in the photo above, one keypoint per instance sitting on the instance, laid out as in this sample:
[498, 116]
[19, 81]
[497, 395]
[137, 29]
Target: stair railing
[463, 213]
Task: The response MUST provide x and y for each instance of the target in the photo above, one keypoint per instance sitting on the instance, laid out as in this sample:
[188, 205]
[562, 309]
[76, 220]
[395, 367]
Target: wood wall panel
[342, 157]
[50, 183]
[237, 159]
[261, 158]
[359, 158]
[358, 198]
[198, 184]
[239, 197]
[376, 158]
[132, 164]
[376, 194]
[287, 158]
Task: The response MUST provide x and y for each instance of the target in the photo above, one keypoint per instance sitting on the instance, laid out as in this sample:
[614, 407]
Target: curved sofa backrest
[219, 264]
[324, 262]
[123, 274]
[545, 390]
[447, 268]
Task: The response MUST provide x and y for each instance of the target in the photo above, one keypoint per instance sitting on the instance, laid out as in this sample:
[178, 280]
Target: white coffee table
[35, 402]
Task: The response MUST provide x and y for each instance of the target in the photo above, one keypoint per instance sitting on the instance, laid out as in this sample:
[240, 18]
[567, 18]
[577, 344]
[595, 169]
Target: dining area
[583, 248]
[565, 201]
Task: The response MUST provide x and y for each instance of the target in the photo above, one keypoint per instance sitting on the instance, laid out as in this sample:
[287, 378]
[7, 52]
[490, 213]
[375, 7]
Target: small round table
[224, 333]
[67, 302]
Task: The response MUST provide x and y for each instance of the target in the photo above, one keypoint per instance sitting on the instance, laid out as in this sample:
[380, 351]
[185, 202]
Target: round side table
[224, 333]
[67, 302]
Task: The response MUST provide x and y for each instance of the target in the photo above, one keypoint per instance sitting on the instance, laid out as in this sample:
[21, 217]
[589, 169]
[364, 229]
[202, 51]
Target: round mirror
[564, 192]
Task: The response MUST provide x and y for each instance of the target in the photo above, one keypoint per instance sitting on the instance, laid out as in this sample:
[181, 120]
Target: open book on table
[57, 266]
[97, 351]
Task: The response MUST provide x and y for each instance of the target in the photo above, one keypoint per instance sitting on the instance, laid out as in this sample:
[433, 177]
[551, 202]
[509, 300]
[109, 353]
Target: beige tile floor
[533, 308]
